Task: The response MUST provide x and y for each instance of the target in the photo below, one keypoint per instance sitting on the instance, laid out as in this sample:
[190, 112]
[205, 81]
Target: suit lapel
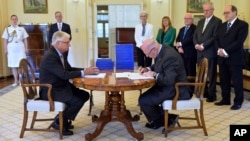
[236, 22]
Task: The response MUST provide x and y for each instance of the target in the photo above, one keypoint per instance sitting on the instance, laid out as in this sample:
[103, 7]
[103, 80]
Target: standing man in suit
[185, 44]
[56, 70]
[143, 31]
[59, 26]
[230, 39]
[167, 70]
[204, 37]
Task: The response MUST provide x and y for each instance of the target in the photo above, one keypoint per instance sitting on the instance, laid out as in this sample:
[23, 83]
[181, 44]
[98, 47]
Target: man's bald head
[147, 45]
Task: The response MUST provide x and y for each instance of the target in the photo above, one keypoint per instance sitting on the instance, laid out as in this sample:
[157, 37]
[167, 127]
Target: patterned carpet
[7, 89]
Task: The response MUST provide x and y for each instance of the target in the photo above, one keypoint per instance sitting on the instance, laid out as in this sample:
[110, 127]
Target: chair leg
[25, 119]
[140, 113]
[91, 103]
[166, 122]
[61, 125]
[197, 117]
[33, 120]
[203, 122]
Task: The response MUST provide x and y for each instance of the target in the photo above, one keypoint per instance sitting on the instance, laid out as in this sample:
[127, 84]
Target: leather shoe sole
[222, 103]
[235, 107]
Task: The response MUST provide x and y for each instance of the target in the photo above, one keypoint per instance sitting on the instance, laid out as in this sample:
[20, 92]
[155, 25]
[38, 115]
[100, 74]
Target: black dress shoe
[66, 131]
[222, 103]
[55, 125]
[211, 99]
[235, 107]
[153, 125]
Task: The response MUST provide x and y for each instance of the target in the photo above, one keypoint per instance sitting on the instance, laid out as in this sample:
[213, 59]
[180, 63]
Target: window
[102, 26]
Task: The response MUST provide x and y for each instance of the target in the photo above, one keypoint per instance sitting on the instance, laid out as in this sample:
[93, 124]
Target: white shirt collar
[232, 22]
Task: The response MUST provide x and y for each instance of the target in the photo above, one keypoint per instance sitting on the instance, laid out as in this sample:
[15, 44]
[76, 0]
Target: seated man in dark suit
[56, 70]
[167, 70]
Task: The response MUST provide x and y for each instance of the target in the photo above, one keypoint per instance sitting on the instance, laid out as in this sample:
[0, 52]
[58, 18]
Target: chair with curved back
[30, 87]
[195, 103]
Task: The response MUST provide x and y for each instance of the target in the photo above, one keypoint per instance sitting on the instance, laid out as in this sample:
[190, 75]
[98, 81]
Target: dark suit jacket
[169, 65]
[207, 37]
[187, 42]
[54, 28]
[232, 42]
[53, 72]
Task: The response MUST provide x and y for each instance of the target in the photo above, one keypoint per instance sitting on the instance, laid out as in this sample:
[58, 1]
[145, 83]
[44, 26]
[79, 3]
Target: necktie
[185, 32]
[62, 60]
[59, 26]
[228, 26]
[205, 24]
[143, 30]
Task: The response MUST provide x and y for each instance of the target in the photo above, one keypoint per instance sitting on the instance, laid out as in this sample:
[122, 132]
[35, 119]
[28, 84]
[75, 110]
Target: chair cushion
[193, 103]
[43, 105]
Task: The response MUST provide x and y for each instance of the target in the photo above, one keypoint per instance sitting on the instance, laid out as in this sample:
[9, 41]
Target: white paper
[135, 76]
[100, 75]
[132, 75]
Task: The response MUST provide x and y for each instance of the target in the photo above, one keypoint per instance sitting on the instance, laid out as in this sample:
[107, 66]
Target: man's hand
[142, 70]
[91, 70]
[148, 73]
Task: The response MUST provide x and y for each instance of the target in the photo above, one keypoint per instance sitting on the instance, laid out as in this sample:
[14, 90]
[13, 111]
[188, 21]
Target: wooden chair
[31, 104]
[195, 103]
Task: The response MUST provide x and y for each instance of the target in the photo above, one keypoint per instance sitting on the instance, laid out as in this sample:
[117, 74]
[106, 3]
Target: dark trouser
[142, 59]
[228, 74]
[190, 66]
[75, 104]
[210, 89]
[150, 103]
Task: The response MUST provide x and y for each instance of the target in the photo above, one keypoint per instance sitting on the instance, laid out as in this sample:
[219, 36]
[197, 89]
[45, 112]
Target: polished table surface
[114, 108]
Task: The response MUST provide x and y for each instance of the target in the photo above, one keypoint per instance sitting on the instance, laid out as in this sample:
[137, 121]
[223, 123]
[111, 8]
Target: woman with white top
[15, 45]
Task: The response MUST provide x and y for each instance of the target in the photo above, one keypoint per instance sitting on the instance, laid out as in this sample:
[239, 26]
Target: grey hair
[58, 36]
[144, 12]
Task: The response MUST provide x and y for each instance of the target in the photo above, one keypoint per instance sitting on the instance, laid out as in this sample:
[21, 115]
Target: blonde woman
[15, 46]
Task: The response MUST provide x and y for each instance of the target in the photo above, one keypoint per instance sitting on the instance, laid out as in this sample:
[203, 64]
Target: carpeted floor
[7, 89]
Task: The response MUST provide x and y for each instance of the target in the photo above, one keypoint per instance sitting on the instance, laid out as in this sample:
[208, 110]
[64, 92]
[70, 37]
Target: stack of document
[132, 75]
[100, 75]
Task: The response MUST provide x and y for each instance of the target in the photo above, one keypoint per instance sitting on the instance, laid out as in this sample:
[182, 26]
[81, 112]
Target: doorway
[102, 31]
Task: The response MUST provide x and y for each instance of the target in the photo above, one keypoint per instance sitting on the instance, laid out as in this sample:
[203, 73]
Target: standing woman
[166, 34]
[15, 46]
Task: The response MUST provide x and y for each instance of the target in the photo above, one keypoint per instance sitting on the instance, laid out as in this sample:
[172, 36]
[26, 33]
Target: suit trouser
[210, 88]
[150, 103]
[75, 104]
[228, 74]
[142, 60]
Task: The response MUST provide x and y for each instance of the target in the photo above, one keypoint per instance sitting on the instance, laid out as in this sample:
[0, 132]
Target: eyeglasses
[207, 10]
[188, 18]
[226, 13]
[65, 42]
[143, 16]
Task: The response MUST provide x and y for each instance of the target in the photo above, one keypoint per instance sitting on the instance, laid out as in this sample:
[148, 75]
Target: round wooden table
[114, 108]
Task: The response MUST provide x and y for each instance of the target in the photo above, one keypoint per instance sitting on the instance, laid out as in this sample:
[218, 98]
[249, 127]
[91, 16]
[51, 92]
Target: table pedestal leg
[115, 110]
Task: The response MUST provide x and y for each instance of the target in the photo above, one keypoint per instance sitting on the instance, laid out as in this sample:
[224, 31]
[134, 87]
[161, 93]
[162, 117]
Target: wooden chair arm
[177, 92]
[49, 86]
